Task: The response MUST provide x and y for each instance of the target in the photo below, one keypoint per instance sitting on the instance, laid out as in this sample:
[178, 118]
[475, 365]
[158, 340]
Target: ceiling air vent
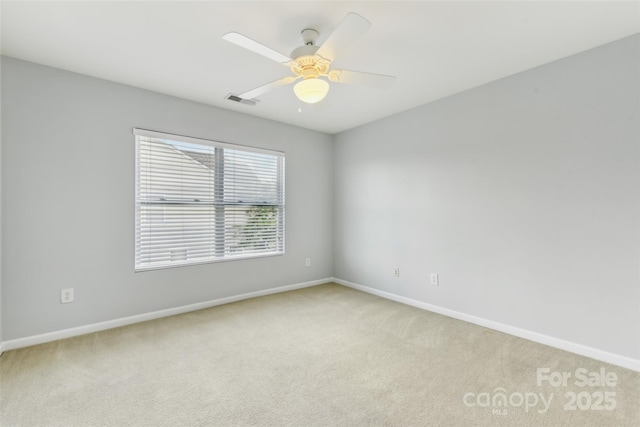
[236, 98]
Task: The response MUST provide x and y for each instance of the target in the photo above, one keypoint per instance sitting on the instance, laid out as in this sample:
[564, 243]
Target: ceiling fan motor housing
[305, 62]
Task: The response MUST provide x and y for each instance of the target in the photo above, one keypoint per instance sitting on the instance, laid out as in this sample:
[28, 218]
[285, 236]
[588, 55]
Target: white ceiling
[434, 48]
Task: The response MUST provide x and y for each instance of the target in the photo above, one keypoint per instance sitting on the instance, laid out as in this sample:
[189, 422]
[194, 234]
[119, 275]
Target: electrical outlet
[66, 295]
[434, 279]
[396, 272]
[307, 262]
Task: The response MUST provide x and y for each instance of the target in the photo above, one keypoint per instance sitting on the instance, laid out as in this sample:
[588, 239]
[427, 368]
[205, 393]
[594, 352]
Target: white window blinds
[203, 201]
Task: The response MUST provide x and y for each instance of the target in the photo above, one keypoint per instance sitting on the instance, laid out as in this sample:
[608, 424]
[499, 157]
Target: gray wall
[1, 241]
[522, 194]
[68, 194]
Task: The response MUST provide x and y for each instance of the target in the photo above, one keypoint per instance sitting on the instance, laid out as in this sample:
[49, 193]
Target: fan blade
[352, 27]
[254, 46]
[254, 93]
[378, 81]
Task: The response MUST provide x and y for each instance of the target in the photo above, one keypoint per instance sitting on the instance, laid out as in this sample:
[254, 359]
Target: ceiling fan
[312, 63]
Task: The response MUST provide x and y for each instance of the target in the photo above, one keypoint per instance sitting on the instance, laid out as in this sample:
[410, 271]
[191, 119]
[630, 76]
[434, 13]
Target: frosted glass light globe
[311, 90]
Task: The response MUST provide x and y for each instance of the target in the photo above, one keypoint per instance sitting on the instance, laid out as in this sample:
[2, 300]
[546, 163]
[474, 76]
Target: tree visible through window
[257, 231]
[203, 201]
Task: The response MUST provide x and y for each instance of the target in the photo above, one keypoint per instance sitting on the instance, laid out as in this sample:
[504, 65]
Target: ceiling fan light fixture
[311, 90]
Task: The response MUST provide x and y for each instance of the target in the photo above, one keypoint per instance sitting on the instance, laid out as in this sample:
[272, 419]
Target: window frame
[220, 203]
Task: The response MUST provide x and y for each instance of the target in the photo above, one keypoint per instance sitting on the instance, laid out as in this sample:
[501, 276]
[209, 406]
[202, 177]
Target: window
[203, 201]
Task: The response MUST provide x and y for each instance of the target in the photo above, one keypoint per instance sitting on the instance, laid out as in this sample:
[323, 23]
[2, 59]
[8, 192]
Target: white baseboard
[109, 324]
[583, 350]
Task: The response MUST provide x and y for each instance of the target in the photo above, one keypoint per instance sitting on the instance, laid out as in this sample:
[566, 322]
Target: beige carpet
[326, 355]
